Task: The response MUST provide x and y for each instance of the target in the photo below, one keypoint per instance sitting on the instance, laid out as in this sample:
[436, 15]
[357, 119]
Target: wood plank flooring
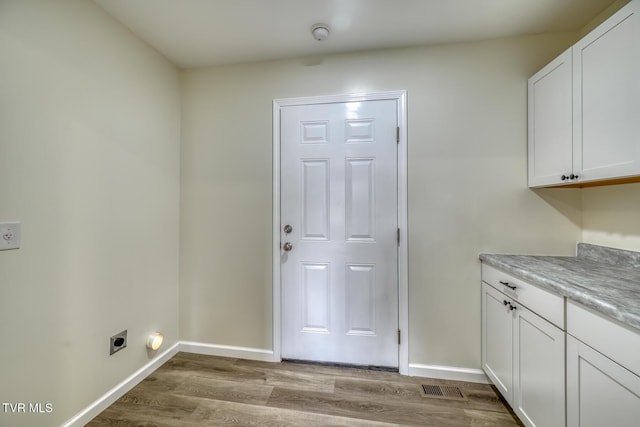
[197, 390]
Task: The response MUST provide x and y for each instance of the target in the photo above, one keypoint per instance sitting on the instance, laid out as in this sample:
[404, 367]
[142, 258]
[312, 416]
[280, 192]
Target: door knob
[287, 246]
[287, 229]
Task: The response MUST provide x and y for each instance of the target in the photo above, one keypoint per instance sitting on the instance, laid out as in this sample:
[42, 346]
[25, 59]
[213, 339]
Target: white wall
[89, 163]
[467, 184]
[611, 216]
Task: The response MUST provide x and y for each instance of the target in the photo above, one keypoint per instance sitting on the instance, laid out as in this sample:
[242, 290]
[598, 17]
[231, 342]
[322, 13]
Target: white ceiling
[197, 33]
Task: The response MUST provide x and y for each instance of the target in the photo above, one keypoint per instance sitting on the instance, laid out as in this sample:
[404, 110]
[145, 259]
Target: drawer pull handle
[512, 287]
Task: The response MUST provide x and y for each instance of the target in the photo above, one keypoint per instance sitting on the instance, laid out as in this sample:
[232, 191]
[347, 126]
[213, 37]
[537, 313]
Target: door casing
[403, 261]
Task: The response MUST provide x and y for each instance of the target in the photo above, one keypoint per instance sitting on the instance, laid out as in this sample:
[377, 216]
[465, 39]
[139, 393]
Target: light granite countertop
[604, 279]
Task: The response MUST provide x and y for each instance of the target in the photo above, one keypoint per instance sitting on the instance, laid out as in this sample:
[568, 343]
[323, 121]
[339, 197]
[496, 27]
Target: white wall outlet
[9, 235]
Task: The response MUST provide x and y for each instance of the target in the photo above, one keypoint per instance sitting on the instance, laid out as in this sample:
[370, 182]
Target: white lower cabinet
[603, 368]
[524, 356]
[497, 341]
[557, 363]
[539, 370]
[599, 391]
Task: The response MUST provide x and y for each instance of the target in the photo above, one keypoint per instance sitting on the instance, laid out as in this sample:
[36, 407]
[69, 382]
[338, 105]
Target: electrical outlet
[9, 235]
[117, 342]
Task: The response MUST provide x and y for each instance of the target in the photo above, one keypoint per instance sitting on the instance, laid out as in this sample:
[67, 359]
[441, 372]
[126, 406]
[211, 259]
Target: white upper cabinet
[550, 123]
[584, 108]
[606, 67]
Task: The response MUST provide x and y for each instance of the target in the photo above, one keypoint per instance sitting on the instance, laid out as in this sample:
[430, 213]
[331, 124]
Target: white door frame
[403, 249]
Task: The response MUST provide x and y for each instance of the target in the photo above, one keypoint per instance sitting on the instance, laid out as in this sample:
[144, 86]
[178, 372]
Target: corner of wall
[602, 16]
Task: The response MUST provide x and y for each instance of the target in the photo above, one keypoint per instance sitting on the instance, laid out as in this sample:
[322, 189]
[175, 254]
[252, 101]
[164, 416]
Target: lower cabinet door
[497, 341]
[539, 371]
[599, 391]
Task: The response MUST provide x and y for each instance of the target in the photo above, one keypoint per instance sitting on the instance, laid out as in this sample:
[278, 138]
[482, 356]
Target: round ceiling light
[320, 32]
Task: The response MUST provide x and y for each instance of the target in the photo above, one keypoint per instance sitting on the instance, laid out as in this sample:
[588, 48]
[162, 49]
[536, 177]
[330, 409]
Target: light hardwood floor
[197, 390]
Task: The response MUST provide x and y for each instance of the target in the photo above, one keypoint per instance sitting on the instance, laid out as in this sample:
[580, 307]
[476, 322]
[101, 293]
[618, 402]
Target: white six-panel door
[339, 195]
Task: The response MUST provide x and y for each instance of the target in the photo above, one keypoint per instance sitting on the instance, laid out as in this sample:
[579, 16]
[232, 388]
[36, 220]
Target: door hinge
[398, 237]
[398, 135]
[398, 336]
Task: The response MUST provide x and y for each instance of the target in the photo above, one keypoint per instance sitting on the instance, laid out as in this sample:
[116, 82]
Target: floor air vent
[441, 392]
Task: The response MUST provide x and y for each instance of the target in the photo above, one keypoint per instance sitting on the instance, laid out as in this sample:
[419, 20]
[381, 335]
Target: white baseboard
[228, 351]
[448, 373]
[94, 409]
[106, 400]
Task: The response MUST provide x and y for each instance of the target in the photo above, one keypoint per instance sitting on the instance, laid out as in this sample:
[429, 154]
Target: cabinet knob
[512, 307]
[573, 176]
[564, 177]
[505, 302]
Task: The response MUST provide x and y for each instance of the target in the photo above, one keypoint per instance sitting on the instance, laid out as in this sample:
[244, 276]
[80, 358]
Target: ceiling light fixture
[320, 32]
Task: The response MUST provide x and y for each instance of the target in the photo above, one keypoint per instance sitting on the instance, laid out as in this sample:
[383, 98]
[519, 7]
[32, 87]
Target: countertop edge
[572, 292]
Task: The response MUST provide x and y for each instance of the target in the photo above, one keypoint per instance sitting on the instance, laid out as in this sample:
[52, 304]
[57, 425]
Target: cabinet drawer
[615, 341]
[546, 304]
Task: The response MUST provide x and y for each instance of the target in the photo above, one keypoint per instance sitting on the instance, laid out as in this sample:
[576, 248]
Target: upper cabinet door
[550, 157]
[606, 79]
